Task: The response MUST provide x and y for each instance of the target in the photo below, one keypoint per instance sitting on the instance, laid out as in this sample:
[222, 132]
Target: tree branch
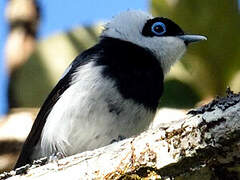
[203, 141]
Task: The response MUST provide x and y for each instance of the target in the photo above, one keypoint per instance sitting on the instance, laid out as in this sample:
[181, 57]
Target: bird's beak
[192, 38]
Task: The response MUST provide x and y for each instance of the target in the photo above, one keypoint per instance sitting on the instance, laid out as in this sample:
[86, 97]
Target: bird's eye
[158, 28]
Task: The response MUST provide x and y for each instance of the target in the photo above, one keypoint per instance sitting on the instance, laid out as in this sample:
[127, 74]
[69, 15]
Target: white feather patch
[82, 119]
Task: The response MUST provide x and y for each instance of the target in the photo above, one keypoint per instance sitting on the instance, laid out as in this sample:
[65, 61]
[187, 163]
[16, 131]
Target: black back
[135, 70]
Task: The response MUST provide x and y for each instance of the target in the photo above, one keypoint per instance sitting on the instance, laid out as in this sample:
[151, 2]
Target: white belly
[90, 114]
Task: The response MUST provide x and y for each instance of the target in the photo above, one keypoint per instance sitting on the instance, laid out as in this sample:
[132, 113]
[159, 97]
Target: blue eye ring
[162, 26]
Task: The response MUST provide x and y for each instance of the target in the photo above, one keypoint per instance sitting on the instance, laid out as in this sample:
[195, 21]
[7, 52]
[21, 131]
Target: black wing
[46, 108]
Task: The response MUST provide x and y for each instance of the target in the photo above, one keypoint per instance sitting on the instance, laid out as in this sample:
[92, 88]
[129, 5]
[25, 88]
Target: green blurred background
[204, 72]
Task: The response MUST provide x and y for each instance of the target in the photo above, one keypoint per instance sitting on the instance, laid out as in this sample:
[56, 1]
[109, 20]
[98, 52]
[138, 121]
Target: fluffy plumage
[111, 90]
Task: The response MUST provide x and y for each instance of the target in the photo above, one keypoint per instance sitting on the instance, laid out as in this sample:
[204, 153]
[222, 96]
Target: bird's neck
[135, 70]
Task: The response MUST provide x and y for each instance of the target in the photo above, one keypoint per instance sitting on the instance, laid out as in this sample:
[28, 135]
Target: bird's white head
[165, 39]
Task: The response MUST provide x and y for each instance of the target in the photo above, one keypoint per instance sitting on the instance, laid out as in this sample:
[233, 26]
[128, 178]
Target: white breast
[90, 114]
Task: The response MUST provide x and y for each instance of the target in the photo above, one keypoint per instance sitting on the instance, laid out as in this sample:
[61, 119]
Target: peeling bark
[204, 144]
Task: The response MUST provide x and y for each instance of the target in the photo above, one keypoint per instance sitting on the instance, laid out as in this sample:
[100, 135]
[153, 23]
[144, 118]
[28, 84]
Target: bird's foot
[55, 157]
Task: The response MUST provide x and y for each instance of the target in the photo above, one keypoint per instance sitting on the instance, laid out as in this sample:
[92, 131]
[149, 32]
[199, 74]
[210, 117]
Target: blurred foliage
[34, 80]
[178, 94]
[204, 72]
[214, 64]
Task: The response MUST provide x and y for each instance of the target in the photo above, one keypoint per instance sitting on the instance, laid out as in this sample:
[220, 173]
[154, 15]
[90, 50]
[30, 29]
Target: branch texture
[203, 141]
